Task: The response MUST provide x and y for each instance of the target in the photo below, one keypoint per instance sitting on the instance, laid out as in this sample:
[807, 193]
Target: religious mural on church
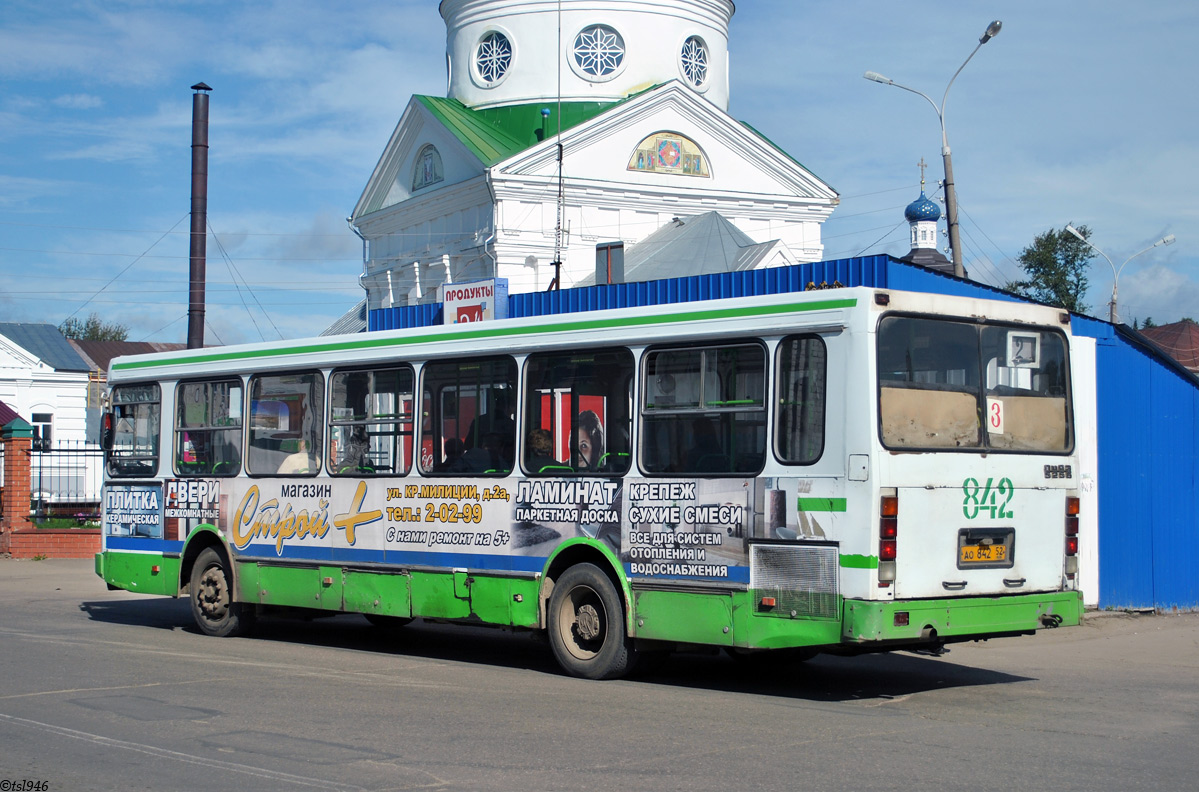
[428, 168]
[670, 152]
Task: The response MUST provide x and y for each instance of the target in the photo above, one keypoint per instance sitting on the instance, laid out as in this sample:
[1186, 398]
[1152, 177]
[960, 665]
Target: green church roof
[494, 134]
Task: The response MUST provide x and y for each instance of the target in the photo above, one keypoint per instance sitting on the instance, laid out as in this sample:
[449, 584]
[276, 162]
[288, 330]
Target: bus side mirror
[106, 431]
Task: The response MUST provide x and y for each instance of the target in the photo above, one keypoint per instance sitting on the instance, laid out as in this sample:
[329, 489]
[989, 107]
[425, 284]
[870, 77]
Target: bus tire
[211, 597]
[586, 625]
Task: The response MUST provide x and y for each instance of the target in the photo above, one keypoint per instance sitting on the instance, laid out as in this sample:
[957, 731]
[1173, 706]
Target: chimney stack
[199, 237]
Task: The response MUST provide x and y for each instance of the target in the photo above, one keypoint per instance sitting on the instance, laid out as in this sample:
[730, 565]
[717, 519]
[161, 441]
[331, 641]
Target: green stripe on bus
[821, 504]
[498, 330]
[859, 562]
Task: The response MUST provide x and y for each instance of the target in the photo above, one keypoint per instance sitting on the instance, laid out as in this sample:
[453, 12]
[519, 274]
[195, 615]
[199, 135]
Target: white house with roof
[44, 380]
[569, 125]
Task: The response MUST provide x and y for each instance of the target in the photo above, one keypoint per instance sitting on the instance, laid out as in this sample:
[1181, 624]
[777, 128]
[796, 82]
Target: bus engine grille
[802, 579]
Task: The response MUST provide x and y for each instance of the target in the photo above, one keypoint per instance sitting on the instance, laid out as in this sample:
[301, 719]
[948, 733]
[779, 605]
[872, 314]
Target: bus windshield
[946, 384]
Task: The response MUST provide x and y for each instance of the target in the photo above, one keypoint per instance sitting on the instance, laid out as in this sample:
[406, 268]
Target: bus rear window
[947, 384]
[1027, 389]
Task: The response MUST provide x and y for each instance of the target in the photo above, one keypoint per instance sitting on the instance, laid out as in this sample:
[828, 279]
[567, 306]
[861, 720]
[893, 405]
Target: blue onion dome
[922, 209]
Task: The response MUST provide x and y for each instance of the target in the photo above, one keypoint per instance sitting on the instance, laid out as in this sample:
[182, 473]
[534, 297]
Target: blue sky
[1074, 113]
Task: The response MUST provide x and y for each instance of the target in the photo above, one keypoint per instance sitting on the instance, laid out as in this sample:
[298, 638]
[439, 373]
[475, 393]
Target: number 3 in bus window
[994, 416]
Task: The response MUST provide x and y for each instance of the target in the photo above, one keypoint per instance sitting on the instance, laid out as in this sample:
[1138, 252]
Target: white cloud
[79, 101]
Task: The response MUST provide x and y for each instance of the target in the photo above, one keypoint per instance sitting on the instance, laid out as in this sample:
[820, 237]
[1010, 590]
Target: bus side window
[802, 390]
[286, 423]
[471, 426]
[704, 410]
[576, 413]
[370, 422]
[208, 428]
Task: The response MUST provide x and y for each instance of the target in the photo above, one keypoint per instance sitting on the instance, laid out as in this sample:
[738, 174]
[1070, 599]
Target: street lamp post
[951, 200]
[1113, 317]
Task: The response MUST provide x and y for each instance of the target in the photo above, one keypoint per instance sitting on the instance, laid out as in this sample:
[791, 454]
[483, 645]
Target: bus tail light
[106, 430]
[888, 533]
[1072, 507]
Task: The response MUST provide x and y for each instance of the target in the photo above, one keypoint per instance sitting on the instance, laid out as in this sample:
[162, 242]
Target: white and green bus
[843, 471]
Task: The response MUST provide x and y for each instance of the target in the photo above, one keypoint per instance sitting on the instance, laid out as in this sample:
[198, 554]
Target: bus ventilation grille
[801, 578]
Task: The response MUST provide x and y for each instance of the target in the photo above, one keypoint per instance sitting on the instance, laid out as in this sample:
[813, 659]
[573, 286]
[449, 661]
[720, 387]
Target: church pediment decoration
[428, 168]
[670, 153]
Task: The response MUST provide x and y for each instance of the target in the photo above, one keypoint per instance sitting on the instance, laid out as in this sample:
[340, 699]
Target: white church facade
[569, 125]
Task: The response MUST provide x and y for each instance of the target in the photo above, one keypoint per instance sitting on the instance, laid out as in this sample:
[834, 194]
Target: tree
[1149, 323]
[1056, 264]
[93, 329]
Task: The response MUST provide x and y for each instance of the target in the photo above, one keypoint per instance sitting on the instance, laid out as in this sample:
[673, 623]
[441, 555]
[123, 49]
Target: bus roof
[808, 311]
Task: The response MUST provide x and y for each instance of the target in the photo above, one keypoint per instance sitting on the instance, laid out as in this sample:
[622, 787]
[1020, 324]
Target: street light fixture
[951, 200]
[1112, 315]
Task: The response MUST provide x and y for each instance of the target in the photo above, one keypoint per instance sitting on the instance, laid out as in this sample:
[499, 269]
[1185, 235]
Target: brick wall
[17, 437]
[68, 543]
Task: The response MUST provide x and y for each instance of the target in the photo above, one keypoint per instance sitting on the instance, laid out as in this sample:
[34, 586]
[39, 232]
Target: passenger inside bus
[541, 453]
[357, 455]
[706, 454]
[299, 462]
[489, 457]
[497, 420]
[590, 440]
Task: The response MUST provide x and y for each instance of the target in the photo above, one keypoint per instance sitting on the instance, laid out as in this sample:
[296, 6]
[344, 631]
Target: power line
[164, 327]
[122, 272]
[234, 273]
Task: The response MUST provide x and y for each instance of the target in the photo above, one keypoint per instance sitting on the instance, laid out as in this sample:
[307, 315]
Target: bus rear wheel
[586, 625]
[212, 602]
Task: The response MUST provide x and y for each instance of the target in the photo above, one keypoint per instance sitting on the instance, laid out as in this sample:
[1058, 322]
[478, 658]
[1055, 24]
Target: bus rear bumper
[957, 619]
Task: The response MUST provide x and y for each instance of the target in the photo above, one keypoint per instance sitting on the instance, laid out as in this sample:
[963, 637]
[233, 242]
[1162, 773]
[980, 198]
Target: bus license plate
[982, 548]
[982, 554]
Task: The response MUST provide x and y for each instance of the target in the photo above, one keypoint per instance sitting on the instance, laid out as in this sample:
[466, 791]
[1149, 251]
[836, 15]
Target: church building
[575, 124]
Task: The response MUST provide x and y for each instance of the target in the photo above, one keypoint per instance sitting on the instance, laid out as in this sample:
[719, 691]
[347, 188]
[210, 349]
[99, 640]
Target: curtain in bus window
[801, 400]
[705, 410]
[577, 412]
[136, 414]
[370, 422]
[1027, 381]
[928, 371]
[286, 419]
[472, 421]
[208, 428]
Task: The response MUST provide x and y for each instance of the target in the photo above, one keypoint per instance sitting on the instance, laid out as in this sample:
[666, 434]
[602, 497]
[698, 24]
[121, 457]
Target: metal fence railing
[66, 478]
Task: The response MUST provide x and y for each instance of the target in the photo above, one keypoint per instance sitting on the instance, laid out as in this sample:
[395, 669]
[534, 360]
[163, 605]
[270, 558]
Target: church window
[598, 53]
[670, 153]
[694, 61]
[428, 168]
[493, 57]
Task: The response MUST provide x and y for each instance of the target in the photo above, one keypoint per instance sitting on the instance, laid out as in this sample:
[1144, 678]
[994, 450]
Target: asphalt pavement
[107, 690]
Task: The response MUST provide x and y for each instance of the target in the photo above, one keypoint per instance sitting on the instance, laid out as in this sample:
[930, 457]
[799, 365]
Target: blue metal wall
[1148, 411]
[864, 271]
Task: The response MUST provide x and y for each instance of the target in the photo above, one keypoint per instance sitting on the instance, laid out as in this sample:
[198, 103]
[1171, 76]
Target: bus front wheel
[586, 625]
[212, 602]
